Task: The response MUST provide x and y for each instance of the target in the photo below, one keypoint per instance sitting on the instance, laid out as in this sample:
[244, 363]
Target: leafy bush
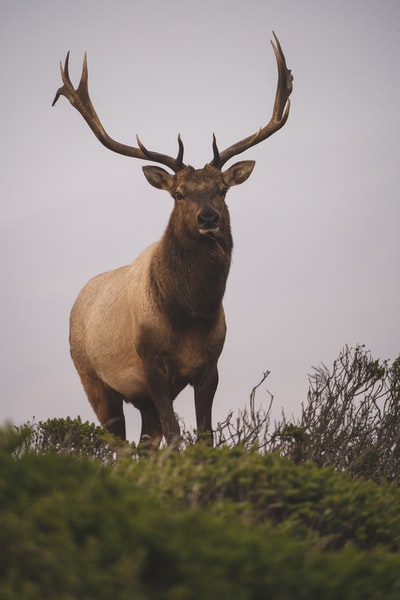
[204, 523]
[72, 436]
[261, 515]
[325, 507]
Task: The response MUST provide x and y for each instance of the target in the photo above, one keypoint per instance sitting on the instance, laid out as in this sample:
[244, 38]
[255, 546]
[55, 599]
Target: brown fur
[143, 332]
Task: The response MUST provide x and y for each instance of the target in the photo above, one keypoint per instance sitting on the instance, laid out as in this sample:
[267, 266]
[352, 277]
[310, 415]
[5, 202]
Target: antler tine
[284, 86]
[179, 158]
[279, 116]
[156, 157]
[65, 77]
[217, 157]
[80, 100]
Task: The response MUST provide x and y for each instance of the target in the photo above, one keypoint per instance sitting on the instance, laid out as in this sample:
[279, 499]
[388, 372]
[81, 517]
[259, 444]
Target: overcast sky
[316, 227]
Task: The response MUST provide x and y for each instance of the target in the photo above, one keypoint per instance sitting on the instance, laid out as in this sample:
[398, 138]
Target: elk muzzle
[208, 221]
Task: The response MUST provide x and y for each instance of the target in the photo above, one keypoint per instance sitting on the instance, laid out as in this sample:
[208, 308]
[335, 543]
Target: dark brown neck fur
[188, 274]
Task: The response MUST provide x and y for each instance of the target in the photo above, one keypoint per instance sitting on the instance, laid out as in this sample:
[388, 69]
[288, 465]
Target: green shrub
[203, 523]
[72, 436]
[260, 516]
[305, 500]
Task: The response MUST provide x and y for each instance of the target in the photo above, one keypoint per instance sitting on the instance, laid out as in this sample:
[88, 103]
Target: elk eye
[224, 191]
[178, 196]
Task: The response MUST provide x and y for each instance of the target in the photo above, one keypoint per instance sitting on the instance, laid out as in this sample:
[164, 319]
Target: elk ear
[239, 172]
[158, 177]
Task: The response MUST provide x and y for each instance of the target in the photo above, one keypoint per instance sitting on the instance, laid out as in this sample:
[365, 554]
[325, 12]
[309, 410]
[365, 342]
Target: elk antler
[279, 117]
[80, 100]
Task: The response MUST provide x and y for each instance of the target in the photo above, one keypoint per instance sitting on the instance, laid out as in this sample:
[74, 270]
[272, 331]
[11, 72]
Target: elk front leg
[204, 391]
[161, 395]
[151, 433]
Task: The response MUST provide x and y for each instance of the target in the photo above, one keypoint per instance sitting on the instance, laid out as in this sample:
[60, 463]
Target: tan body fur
[143, 332]
[106, 321]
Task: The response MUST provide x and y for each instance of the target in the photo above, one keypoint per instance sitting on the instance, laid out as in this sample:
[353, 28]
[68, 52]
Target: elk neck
[188, 274]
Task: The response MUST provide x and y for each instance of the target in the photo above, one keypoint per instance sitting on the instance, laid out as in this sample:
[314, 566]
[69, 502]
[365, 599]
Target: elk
[143, 332]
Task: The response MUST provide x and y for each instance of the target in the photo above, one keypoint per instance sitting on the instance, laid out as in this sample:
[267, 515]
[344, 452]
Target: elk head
[200, 209]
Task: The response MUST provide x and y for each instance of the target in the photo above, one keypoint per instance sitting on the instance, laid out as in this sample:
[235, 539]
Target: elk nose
[208, 219]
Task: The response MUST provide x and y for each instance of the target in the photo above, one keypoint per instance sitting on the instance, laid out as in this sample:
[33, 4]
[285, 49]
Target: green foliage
[306, 501]
[309, 511]
[72, 436]
[203, 523]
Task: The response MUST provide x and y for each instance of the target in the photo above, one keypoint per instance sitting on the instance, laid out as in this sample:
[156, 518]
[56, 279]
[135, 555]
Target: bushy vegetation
[204, 523]
[259, 516]
[73, 437]
[351, 419]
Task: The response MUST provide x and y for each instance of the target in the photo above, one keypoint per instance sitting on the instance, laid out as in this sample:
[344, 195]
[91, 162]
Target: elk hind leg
[106, 403]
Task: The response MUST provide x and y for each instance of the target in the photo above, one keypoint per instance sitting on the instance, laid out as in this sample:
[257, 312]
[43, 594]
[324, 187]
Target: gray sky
[316, 227]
